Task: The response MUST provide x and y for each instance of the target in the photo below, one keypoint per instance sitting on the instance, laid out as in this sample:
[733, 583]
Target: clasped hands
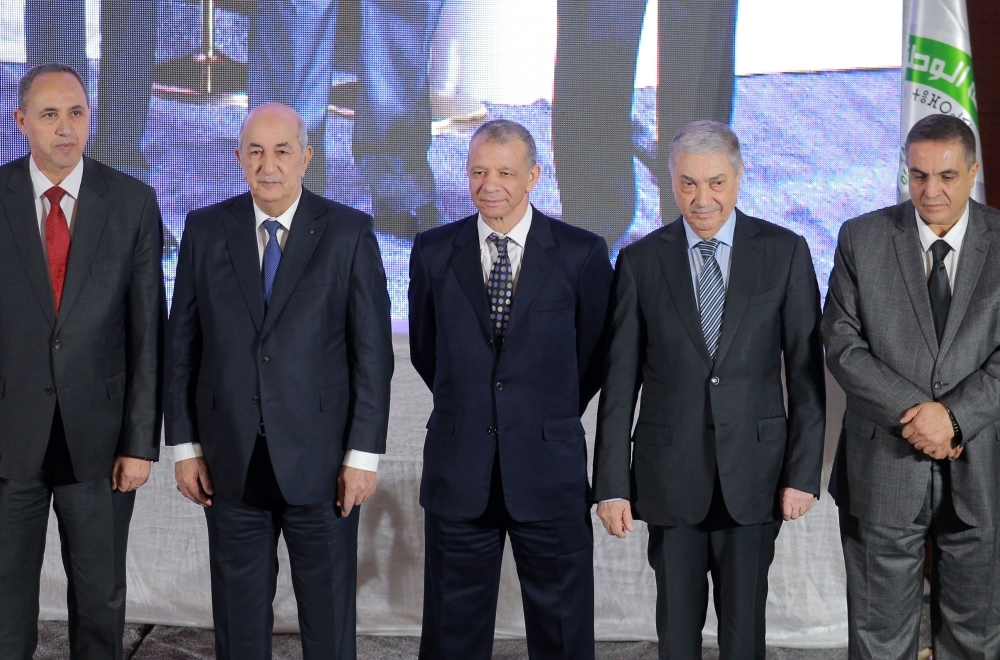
[927, 426]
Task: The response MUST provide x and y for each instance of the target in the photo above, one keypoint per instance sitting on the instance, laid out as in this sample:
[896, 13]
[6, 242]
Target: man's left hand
[354, 486]
[129, 473]
[927, 426]
[795, 503]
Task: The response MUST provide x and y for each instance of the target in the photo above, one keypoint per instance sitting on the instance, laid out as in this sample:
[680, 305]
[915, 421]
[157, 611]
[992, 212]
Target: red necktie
[57, 239]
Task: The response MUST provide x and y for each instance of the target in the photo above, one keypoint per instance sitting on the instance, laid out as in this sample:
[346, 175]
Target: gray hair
[503, 130]
[705, 138]
[24, 87]
[943, 129]
[302, 132]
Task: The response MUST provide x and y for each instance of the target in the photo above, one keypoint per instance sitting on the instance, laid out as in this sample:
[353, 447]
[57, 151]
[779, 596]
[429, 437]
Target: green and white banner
[937, 75]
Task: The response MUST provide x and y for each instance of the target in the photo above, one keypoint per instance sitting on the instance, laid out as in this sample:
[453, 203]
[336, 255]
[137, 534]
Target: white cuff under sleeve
[361, 460]
[187, 450]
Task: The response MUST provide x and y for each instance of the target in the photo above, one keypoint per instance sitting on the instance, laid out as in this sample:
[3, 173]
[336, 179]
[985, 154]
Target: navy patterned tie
[711, 295]
[500, 288]
[272, 255]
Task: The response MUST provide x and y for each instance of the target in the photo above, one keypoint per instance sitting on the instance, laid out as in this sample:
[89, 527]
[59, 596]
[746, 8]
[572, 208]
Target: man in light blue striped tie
[709, 313]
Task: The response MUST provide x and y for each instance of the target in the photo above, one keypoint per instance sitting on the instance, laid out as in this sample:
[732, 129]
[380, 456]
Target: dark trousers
[555, 566]
[592, 105]
[243, 555]
[885, 582]
[93, 528]
[738, 556]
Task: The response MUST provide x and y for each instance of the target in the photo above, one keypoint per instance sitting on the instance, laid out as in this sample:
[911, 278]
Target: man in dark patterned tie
[506, 314]
[708, 313]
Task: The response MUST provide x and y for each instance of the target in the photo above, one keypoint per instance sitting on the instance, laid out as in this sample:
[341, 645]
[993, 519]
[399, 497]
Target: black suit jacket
[527, 398]
[316, 367]
[771, 311]
[100, 358]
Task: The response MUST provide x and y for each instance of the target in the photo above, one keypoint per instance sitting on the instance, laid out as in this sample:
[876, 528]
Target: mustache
[270, 179]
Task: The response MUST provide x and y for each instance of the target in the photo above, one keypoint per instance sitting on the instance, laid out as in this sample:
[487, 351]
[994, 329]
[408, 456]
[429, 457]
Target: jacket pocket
[116, 385]
[566, 428]
[441, 424]
[649, 433]
[766, 296]
[552, 305]
[316, 280]
[107, 265]
[204, 397]
[772, 429]
[859, 425]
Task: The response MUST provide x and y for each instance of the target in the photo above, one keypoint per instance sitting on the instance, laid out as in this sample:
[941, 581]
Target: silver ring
[178, 488]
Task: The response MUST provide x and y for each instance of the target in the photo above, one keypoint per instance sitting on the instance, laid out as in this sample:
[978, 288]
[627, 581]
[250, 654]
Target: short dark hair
[50, 67]
[502, 130]
[944, 128]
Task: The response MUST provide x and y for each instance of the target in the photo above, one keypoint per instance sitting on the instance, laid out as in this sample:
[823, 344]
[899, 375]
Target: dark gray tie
[711, 295]
[939, 287]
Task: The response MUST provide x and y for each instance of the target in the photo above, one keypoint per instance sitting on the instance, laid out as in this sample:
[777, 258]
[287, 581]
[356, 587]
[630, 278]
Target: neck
[274, 209]
[56, 176]
[507, 223]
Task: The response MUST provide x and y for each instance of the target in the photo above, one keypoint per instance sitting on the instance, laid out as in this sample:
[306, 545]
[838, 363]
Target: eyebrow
[54, 109]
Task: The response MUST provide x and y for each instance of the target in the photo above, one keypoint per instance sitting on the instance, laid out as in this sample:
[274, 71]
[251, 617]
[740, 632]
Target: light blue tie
[272, 256]
[711, 295]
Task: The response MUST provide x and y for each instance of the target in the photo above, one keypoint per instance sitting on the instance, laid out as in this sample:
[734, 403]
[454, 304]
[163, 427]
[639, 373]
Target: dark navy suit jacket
[315, 367]
[528, 397]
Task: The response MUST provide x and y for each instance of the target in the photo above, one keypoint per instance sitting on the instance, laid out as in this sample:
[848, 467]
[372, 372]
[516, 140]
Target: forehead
[703, 166]
[56, 89]
[936, 156]
[486, 149]
[270, 129]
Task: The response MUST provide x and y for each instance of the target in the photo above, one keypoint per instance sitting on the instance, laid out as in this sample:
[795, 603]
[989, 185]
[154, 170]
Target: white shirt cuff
[361, 460]
[187, 450]
[613, 499]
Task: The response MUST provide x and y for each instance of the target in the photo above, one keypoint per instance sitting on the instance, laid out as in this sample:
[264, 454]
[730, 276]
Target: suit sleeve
[183, 351]
[146, 313]
[805, 377]
[623, 378]
[369, 347]
[423, 333]
[593, 293]
[886, 393]
[973, 401]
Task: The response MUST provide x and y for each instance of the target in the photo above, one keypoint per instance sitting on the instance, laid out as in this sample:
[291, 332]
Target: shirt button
[492, 430]
[256, 399]
[50, 390]
[264, 359]
[499, 386]
[715, 380]
[57, 344]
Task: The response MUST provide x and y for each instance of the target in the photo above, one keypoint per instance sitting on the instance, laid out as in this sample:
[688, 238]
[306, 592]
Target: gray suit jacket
[882, 349]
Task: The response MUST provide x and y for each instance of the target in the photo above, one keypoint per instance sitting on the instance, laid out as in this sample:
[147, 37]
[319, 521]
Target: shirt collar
[285, 219]
[724, 235]
[41, 183]
[518, 235]
[953, 238]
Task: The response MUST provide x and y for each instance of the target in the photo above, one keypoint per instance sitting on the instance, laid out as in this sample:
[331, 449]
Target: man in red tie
[81, 316]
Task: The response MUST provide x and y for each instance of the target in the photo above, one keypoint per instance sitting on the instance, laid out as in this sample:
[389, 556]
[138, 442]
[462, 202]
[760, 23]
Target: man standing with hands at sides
[912, 336]
[279, 359]
[706, 311]
[506, 314]
[81, 316]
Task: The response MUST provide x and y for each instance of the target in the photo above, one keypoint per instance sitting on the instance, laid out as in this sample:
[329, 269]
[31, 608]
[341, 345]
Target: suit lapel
[19, 207]
[307, 230]
[467, 264]
[743, 269]
[677, 271]
[241, 240]
[92, 211]
[911, 263]
[536, 263]
[975, 248]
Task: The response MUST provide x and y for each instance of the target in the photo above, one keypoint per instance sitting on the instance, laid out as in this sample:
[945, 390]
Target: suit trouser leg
[323, 554]
[555, 566]
[679, 559]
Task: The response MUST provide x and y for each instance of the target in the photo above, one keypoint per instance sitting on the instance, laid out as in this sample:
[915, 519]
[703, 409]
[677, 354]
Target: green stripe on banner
[944, 68]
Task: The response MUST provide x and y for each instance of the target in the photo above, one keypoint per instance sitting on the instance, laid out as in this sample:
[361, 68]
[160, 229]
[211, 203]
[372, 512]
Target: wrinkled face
[272, 158]
[705, 189]
[940, 181]
[500, 179]
[56, 121]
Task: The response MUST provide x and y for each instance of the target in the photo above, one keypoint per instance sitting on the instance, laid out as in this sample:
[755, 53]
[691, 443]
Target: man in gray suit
[912, 335]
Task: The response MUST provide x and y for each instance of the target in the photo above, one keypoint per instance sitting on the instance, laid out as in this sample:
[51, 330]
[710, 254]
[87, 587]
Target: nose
[702, 196]
[267, 163]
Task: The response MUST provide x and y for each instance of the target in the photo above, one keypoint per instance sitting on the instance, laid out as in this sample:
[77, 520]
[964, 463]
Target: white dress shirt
[723, 253]
[354, 458]
[515, 247]
[954, 238]
[41, 184]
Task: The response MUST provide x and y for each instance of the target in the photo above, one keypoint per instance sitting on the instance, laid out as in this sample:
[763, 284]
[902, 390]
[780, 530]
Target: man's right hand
[616, 516]
[194, 480]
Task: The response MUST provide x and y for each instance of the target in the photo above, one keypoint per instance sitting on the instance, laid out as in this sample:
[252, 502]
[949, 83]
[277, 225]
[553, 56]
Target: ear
[19, 120]
[306, 157]
[534, 173]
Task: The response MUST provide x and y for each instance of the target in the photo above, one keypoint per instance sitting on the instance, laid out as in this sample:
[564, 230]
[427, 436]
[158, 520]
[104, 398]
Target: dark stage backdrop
[392, 90]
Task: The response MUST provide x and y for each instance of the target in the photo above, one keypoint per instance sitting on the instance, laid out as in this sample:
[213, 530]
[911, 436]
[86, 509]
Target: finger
[627, 518]
[909, 415]
[340, 491]
[205, 480]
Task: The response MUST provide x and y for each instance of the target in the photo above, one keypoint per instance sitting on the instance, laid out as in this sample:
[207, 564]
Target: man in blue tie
[277, 390]
[708, 313]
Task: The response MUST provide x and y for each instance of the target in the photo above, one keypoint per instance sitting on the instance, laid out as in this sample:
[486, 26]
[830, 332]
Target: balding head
[274, 154]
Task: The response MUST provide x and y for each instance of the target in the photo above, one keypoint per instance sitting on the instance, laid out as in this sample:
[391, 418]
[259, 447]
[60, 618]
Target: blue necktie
[272, 256]
[711, 295]
[500, 288]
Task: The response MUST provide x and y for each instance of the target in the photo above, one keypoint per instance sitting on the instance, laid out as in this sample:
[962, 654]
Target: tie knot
[939, 250]
[708, 248]
[54, 195]
[272, 226]
[501, 243]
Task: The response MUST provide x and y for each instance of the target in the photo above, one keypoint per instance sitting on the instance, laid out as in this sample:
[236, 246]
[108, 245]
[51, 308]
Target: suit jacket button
[715, 380]
[57, 344]
[50, 390]
[256, 399]
[499, 386]
[492, 430]
[937, 385]
[264, 359]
